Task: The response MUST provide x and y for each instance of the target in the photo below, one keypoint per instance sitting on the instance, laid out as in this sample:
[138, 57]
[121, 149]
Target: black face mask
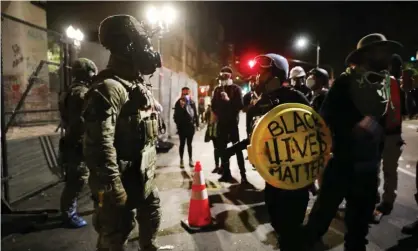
[378, 65]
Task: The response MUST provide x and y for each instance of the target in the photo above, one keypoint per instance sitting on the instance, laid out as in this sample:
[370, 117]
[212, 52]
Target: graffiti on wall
[34, 34]
[13, 91]
[18, 56]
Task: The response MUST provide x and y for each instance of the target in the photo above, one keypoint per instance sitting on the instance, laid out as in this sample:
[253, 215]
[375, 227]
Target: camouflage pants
[77, 175]
[114, 224]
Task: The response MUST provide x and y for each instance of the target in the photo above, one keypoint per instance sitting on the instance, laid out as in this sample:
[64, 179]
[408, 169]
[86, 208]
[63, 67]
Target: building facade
[191, 46]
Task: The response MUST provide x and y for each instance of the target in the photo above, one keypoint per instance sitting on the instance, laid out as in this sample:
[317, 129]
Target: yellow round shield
[290, 146]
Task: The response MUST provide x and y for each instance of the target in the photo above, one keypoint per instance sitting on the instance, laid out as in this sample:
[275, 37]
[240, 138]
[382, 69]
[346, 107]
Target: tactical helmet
[279, 62]
[83, 67]
[125, 36]
[297, 72]
[319, 73]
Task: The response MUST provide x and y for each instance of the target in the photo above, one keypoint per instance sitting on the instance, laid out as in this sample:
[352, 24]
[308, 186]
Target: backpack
[393, 117]
[63, 101]
[371, 99]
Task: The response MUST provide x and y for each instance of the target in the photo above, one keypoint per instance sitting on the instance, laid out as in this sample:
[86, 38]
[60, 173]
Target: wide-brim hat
[368, 42]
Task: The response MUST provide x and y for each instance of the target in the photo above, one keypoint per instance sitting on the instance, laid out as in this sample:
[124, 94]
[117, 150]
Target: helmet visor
[263, 61]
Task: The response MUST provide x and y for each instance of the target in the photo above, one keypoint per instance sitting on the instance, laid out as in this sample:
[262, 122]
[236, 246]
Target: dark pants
[411, 102]
[357, 184]
[229, 133]
[287, 211]
[416, 183]
[216, 152]
[186, 135]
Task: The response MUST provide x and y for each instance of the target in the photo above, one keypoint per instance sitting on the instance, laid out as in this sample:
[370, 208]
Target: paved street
[239, 211]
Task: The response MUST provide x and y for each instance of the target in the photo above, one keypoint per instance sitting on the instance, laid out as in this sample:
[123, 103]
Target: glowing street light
[161, 18]
[74, 34]
[303, 42]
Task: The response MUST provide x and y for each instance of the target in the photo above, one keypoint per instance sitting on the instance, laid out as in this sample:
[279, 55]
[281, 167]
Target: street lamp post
[70, 46]
[161, 19]
[318, 48]
[72, 43]
[303, 42]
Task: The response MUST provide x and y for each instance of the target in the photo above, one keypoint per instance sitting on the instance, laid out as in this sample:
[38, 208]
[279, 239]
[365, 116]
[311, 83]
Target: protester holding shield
[286, 197]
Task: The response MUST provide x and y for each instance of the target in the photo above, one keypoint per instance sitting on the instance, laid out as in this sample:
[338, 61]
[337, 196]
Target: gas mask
[296, 82]
[146, 60]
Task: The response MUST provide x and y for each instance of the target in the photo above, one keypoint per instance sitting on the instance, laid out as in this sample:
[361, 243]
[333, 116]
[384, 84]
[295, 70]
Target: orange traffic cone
[199, 209]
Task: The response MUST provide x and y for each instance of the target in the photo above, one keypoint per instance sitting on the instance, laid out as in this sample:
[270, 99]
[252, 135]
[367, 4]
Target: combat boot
[411, 229]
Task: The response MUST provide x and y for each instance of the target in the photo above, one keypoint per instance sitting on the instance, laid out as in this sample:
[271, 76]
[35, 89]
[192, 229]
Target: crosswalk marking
[400, 169]
[412, 126]
[210, 185]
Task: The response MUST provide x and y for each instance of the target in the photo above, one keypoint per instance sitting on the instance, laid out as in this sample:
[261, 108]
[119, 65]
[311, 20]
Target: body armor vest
[136, 130]
[137, 122]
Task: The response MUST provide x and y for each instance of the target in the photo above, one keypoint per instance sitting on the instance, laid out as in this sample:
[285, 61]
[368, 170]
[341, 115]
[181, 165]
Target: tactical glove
[115, 193]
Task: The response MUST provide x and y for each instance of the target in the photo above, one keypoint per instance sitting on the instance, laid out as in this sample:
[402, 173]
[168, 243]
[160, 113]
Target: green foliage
[54, 53]
[413, 66]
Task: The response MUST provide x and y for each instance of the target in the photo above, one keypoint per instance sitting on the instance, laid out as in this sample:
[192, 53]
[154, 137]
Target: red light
[251, 63]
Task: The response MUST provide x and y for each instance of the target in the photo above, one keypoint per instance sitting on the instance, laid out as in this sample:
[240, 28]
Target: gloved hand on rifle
[232, 150]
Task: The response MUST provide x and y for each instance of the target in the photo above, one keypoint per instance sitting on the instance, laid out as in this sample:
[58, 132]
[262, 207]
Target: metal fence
[35, 69]
[24, 47]
[32, 78]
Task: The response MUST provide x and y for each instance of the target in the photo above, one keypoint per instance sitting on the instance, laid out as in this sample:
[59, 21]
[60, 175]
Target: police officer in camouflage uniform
[121, 127]
[71, 150]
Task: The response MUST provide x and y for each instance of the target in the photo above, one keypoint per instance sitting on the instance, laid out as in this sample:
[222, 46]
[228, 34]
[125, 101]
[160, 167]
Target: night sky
[260, 27]
[274, 26]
